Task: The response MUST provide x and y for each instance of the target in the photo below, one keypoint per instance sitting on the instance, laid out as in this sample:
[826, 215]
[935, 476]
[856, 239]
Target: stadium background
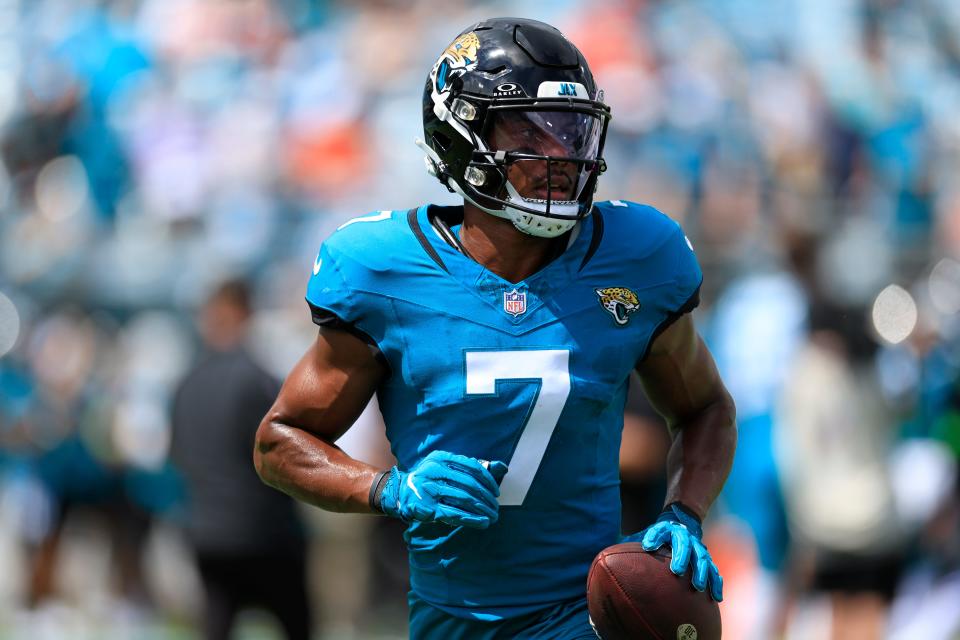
[152, 149]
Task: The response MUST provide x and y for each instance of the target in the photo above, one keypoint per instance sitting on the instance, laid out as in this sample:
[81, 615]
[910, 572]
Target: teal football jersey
[532, 373]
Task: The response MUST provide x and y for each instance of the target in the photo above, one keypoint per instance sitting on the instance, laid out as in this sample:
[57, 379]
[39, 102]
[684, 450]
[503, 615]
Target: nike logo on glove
[411, 485]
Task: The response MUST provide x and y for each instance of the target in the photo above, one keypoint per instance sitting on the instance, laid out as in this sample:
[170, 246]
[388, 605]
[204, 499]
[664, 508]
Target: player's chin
[554, 195]
[542, 192]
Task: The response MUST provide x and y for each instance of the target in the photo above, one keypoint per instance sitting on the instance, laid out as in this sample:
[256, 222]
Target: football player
[499, 337]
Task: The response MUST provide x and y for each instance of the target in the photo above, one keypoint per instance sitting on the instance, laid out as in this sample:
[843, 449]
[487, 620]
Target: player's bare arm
[683, 384]
[321, 398]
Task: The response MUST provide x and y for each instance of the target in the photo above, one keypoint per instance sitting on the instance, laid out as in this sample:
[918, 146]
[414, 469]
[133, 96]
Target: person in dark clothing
[248, 539]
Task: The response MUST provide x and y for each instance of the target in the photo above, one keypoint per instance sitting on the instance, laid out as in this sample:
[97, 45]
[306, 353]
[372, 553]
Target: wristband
[376, 490]
[684, 508]
[683, 514]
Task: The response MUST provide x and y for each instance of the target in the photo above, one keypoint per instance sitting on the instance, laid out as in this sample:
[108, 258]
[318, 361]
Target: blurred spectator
[834, 436]
[65, 439]
[755, 331]
[248, 539]
[926, 600]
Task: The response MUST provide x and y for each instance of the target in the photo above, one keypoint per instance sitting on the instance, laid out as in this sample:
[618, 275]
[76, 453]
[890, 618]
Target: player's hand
[683, 531]
[445, 487]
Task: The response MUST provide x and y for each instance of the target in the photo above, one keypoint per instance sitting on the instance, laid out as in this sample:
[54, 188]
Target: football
[633, 594]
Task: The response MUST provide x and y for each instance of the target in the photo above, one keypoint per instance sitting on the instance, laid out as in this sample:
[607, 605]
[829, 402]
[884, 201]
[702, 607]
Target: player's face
[560, 134]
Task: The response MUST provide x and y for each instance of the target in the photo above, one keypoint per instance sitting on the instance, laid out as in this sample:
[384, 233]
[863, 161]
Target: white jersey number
[551, 368]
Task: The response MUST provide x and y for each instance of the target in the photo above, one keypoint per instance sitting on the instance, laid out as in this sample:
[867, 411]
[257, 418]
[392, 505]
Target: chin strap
[435, 166]
[532, 224]
[438, 169]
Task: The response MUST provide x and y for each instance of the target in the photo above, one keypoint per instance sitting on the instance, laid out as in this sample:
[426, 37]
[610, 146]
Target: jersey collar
[540, 286]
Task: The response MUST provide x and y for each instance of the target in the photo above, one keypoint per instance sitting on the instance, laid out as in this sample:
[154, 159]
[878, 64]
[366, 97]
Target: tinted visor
[558, 134]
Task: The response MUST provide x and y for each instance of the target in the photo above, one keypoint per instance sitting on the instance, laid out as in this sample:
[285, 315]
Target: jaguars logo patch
[458, 58]
[619, 302]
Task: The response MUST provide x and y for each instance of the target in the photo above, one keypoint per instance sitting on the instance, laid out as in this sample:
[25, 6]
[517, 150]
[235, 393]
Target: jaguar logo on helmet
[457, 59]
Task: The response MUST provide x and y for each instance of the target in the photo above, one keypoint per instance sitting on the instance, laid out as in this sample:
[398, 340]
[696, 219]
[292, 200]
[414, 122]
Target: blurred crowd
[152, 150]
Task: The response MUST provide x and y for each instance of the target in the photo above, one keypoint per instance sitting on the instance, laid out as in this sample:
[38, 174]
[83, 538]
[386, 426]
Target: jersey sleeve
[683, 294]
[334, 303]
[350, 284]
[669, 255]
[328, 293]
[687, 275]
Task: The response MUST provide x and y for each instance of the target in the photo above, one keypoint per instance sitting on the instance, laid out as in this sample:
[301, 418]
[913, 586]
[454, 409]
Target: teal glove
[681, 528]
[443, 487]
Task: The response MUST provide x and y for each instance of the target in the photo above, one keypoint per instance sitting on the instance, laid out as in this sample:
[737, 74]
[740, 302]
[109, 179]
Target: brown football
[633, 595]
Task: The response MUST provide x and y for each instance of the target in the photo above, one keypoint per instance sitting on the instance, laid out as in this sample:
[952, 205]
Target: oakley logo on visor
[508, 89]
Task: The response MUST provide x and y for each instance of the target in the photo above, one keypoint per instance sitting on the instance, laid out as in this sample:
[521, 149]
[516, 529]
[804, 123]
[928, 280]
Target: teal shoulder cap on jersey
[656, 241]
[655, 244]
[344, 286]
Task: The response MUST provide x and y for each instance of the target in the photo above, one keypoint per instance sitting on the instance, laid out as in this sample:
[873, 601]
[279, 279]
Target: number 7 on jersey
[548, 367]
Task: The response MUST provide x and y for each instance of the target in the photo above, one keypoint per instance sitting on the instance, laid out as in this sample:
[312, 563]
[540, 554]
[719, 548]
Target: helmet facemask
[534, 162]
[537, 166]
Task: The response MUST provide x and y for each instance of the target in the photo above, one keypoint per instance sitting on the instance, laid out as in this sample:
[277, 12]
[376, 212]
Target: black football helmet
[511, 94]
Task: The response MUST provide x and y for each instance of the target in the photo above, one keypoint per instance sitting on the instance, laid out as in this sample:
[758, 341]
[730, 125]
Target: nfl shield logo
[515, 302]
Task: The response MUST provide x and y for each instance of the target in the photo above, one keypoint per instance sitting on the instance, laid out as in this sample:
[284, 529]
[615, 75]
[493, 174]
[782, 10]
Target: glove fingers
[469, 501]
[716, 584]
[457, 517]
[416, 511]
[680, 545]
[463, 484]
[655, 537]
[701, 566]
[683, 532]
[472, 468]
